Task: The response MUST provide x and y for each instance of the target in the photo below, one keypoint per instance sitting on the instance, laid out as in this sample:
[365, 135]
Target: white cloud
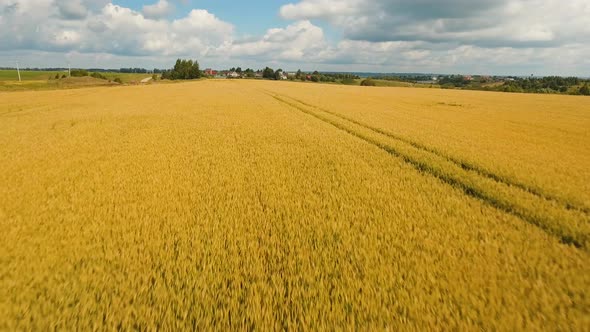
[72, 9]
[67, 37]
[41, 25]
[320, 9]
[299, 41]
[487, 23]
[158, 10]
[453, 36]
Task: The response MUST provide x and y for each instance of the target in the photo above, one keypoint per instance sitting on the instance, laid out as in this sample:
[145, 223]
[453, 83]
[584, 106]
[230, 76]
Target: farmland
[277, 205]
[46, 80]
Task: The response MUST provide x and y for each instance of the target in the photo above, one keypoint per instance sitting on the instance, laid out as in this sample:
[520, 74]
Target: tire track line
[552, 225]
[461, 163]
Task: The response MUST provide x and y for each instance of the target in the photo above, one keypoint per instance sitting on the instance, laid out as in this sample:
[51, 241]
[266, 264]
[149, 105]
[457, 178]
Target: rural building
[233, 74]
[210, 72]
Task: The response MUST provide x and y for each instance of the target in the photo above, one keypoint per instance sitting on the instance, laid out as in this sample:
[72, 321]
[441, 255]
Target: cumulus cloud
[320, 9]
[486, 23]
[453, 36]
[159, 10]
[296, 42]
[72, 9]
[46, 25]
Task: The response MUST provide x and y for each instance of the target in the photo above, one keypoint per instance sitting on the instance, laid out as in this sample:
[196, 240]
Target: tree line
[183, 70]
[189, 69]
[269, 73]
[550, 84]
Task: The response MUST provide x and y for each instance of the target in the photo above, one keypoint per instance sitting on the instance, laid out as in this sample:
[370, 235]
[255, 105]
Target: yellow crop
[222, 205]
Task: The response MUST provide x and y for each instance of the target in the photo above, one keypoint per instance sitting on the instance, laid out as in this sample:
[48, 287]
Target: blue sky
[520, 37]
[250, 17]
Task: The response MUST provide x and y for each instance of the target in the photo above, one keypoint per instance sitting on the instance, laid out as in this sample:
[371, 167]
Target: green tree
[78, 73]
[585, 90]
[268, 73]
[368, 82]
[298, 75]
[249, 73]
[183, 70]
[194, 71]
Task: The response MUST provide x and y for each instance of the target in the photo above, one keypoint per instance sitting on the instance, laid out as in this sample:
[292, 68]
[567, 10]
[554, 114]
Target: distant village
[187, 69]
[248, 73]
[519, 84]
[236, 73]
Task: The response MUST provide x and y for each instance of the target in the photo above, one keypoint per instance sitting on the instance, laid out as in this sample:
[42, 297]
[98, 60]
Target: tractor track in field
[570, 224]
[461, 163]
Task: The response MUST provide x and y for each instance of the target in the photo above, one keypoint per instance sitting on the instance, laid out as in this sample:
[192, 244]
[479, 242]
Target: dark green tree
[183, 70]
[368, 82]
[268, 73]
[249, 73]
[298, 75]
[194, 71]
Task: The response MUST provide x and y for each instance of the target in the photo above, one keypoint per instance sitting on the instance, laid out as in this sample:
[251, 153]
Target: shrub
[118, 80]
[348, 81]
[368, 82]
[268, 73]
[99, 76]
[78, 73]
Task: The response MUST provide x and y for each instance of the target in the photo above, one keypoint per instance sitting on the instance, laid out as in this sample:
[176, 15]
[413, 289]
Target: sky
[488, 37]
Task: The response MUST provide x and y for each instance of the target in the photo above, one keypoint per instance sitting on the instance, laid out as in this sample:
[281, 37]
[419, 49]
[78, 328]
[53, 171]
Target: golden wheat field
[247, 205]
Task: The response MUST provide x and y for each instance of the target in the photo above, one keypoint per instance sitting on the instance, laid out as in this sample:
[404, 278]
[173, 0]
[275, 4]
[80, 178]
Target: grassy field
[12, 75]
[274, 205]
[45, 80]
[397, 84]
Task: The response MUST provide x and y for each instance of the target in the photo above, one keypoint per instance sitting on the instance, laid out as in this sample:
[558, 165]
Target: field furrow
[571, 226]
[540, 192]
[537, 143]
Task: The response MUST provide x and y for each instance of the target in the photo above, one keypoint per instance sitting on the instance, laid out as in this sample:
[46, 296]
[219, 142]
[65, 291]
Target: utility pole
[69, 70]
[18, 71]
